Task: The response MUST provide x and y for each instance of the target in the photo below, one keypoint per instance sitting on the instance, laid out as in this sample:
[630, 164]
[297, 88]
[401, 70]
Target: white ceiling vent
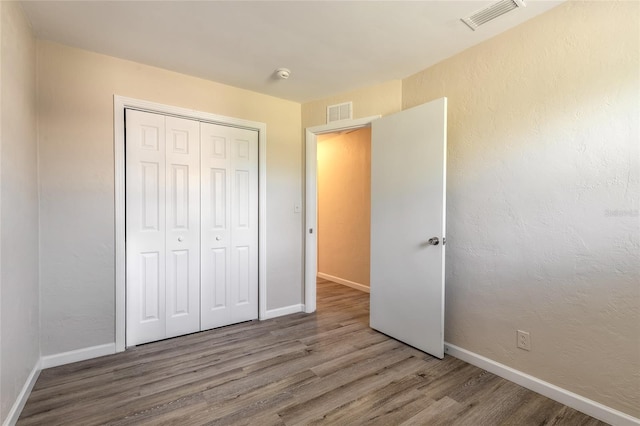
[340, 112]
[485, 15]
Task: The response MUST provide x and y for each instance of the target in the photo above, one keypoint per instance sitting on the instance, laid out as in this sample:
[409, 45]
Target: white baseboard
[342, 281]
[77, 355]
[568, 398]
[286, 310]
[21, 400]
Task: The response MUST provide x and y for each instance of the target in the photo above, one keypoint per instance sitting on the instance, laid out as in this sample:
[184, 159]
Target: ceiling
[329, 46]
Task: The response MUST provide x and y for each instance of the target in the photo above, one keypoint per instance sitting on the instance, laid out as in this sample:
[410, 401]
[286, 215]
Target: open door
[408, 182]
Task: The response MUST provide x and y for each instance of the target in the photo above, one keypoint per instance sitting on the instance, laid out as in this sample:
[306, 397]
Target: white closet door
[145, 222]
[183, 226]
[229, 270]
[162, 222]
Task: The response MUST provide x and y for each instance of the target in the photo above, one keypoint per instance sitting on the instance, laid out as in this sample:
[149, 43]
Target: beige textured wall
[543, 197]
[344, 205]
[19, 298]
[381, 99]
[76, 91]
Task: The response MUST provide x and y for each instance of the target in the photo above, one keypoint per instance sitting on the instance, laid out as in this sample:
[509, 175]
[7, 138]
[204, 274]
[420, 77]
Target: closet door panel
[183, 226]
[229, 210]
[244, 224]
[216, 200]
[145, 223]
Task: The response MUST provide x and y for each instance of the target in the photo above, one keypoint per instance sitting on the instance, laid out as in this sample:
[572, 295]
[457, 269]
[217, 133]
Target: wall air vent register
[339, 112]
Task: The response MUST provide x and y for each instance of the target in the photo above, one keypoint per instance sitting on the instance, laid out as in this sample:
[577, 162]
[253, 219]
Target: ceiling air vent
[485, 15]
[340, 112]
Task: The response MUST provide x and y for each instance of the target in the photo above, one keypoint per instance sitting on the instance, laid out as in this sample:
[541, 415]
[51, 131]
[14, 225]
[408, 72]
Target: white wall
[543, 197]
[19, 297]
[76, 89]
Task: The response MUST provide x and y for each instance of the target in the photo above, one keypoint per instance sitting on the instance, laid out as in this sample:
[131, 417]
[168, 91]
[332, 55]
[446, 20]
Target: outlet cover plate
[524, 340]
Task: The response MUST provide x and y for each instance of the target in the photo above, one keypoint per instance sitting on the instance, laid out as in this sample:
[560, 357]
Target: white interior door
[408, 181]
[162, 226]
[229, 288]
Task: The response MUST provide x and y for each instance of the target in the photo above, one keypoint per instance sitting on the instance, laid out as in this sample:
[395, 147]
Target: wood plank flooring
[322, 368]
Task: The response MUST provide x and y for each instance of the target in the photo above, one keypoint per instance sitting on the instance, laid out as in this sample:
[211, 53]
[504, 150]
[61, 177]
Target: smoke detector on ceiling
[283, 73]
[491, 12]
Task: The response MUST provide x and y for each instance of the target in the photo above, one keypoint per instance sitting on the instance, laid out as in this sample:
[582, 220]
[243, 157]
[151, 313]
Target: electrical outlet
[524, 340]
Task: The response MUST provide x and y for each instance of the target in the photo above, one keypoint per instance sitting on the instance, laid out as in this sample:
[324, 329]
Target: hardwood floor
[328, 367]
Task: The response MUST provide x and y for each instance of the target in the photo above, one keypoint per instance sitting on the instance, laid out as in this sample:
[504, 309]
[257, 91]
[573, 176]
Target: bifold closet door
[162, 226]
[229, 274]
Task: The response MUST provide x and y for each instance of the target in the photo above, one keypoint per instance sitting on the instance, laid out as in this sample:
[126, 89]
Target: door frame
[120, 103]
[311, 200]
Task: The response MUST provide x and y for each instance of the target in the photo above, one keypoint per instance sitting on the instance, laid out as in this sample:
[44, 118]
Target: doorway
[344, 207]
[408, 205]
[312, 135]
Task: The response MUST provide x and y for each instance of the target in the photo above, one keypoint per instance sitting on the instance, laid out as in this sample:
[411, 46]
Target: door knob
[218, 237]
[180, 239]
[434, 241]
